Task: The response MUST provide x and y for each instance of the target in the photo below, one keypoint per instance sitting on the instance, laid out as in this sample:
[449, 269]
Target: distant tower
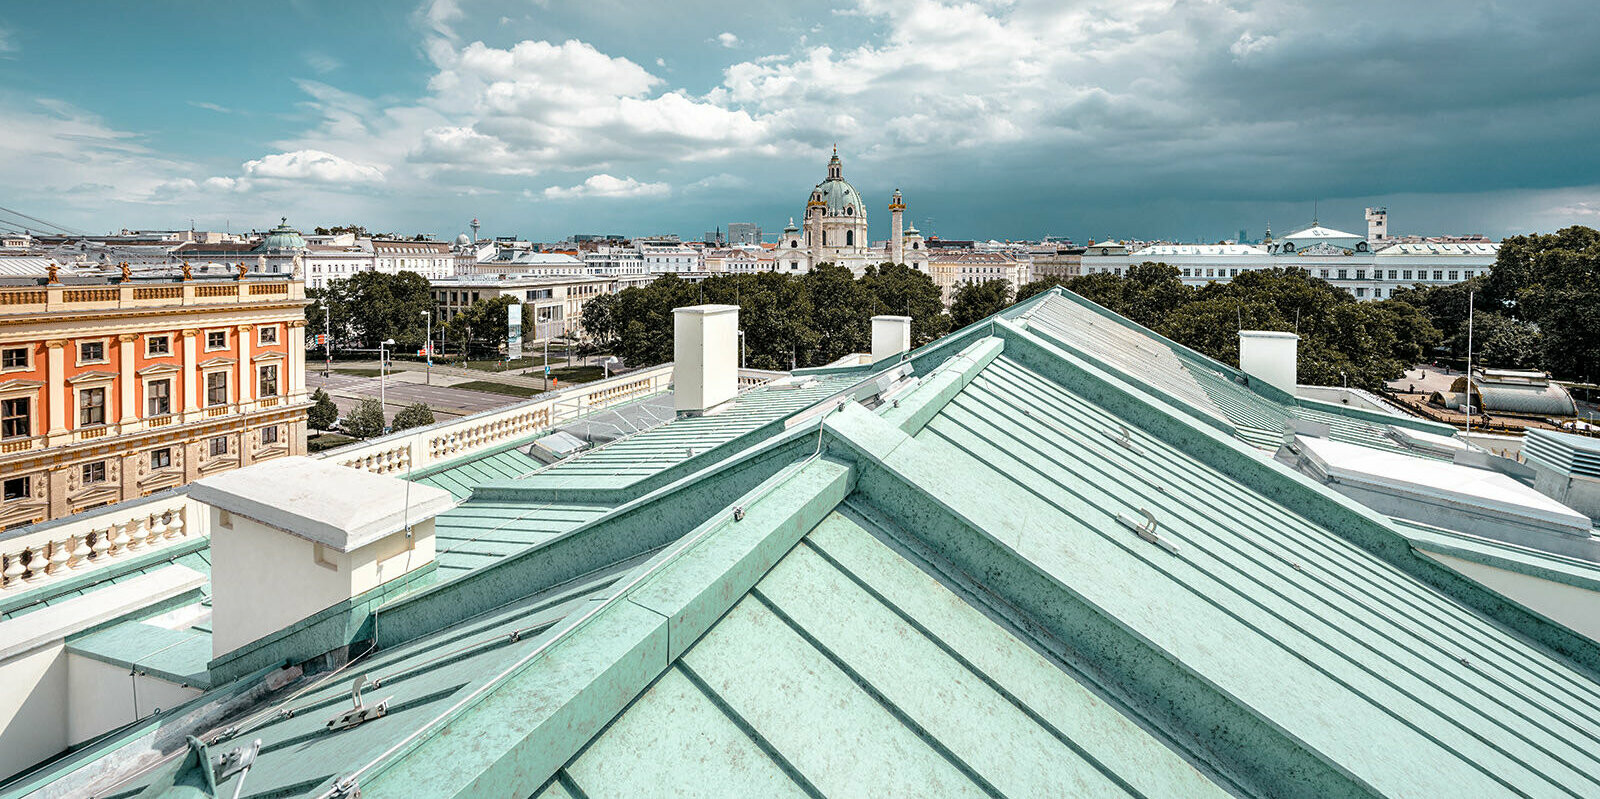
[897, 243]
[1378, 224]
[474, 230]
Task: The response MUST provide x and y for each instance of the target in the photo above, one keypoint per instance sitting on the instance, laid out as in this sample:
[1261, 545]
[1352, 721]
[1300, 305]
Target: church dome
[835, 195]
[463, 241]
[283, 237]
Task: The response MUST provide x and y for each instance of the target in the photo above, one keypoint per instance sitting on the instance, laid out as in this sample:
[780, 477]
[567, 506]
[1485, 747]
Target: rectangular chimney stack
[891, 335]
[1270, 356]
[705, 347]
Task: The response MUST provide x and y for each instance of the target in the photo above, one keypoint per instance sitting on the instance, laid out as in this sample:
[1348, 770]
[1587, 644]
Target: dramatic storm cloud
[997, 119]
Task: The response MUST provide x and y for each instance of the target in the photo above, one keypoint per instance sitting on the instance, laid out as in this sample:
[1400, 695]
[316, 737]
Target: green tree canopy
[366, 420]
[322, 413]
[369, 307]
[974, 301]
[417, 414]
[480, 328]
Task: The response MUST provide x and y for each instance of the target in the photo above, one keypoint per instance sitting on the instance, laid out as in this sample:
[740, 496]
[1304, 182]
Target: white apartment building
[951, 269]
[662, 259]
[1370, 267]
[431, 259]
[608, 261]
[330, 258]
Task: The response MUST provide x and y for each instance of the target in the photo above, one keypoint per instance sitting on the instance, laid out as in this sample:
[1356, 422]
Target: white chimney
[293, 536]
[891, 335]
[705, 351]
[1270, 356]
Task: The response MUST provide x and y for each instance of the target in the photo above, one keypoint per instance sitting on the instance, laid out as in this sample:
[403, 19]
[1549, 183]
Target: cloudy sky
[1107, 118]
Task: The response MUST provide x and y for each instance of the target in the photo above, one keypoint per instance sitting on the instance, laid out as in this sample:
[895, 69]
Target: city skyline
[1001, 120]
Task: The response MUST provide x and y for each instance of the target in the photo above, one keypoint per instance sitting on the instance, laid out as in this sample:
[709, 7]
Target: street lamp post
[383, 379]
[427, 349]
[741, 348]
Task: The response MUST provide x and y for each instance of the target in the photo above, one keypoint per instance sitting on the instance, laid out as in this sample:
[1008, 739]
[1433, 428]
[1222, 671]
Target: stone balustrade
[423, 447]
[58, 297]
[93, 539]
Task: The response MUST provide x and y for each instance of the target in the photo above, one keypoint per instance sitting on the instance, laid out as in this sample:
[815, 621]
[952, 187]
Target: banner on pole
[514, 331]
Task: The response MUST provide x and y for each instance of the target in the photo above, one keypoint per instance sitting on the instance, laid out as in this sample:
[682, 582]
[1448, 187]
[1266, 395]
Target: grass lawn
[576, 374]
[497, 388]
[325, 441]
[350, 370]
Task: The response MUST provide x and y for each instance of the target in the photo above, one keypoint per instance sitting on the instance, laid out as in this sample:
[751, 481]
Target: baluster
[175, 527]
[136, 534]
[102, 544]
[119, 541]
[13, 571]
[154, 531]
[80, 552]
[37, 562]
[59, 555]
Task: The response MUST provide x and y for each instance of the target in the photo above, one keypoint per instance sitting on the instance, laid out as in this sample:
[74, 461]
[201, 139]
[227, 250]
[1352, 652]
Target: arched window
[849, 210]
[916, 245]
[849, 238]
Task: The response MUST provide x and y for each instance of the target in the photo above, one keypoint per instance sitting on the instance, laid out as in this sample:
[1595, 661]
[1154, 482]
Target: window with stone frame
[157, 346]
[91, 352]
[16, 417]
[218, 446]
[14, 358]
[158, 397]
[267, 380]
[91, 406]
[216, 388]
[161, 458]
[94, 472]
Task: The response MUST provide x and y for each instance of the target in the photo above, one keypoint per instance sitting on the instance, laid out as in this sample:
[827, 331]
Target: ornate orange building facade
[113, 390]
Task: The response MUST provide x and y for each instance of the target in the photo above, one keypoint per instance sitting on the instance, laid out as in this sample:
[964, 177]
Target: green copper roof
[1212, 391]
[1030, 573]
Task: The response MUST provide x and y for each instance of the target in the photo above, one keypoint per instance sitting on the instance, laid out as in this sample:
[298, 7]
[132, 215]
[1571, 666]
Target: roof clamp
[359, 713]
[1123, 437]
[1147, 531]
[738, 513]
[235, 760]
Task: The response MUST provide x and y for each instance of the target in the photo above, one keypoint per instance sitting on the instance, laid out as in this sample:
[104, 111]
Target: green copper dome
[283, 237]
[838, 197]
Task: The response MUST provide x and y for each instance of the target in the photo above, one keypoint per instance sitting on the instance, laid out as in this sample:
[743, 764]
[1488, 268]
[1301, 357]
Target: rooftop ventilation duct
[295, 536]
[1270, 356]
[891, 335]
[705, 346]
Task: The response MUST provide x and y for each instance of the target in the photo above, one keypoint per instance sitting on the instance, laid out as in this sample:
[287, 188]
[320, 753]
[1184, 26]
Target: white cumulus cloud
[313, 165]
[603, 185]
[727, 39]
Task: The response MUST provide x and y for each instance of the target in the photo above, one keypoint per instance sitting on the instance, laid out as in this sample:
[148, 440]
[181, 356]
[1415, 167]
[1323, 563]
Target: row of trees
[1538, 308]
[366, 419]
[788, 320]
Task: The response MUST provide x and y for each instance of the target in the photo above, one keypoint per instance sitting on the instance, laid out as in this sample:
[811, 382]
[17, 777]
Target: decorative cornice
[218, 361]
[92, 377]
[268, 356]
[21, 385]
[159, 369]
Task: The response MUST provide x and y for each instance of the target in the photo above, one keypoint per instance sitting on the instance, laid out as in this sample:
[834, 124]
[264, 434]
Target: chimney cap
[706, 310]
[321, 501]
